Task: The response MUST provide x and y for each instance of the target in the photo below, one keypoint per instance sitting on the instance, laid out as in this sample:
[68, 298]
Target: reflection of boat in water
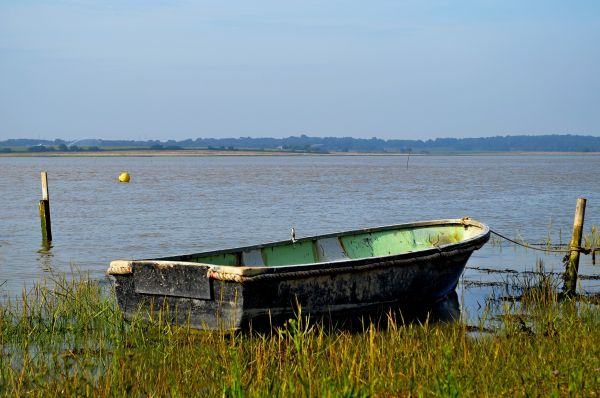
[444, 310]
[407, 265]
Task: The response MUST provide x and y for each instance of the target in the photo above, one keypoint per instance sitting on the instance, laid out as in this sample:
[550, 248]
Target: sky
[397, 69]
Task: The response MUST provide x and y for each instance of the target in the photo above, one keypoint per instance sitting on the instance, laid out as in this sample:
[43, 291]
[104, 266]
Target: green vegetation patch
[68, 338]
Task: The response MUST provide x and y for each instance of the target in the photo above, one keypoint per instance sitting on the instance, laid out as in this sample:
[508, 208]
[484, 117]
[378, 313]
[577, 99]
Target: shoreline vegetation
[67, 337]
[250, 152]
[302, 145]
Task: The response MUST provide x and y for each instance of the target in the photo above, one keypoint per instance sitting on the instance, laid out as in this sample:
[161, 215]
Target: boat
[336, 274]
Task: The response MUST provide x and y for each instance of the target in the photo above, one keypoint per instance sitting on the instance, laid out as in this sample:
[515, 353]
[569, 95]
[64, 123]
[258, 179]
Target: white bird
[293, 233]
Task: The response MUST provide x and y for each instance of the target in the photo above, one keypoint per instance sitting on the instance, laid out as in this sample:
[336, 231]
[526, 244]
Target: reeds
[70, 339]
[591, 241]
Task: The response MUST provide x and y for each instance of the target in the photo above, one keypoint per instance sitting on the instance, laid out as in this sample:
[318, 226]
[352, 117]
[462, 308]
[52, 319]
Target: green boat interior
[360, 244]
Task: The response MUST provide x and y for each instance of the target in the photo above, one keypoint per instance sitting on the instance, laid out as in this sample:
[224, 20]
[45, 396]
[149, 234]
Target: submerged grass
[71, 340]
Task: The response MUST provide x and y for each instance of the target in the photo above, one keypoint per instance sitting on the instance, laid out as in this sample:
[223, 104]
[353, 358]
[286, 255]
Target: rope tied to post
[579, 249]
[571, 258]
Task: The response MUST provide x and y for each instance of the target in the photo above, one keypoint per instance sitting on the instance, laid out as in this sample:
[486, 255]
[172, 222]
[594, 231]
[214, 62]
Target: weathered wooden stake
[45, 210]
[573, 265]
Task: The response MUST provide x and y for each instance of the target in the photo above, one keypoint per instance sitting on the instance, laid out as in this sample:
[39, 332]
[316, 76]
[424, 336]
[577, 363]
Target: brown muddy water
[176, 205]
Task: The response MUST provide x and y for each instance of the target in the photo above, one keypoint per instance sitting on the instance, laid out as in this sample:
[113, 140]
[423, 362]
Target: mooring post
[45, 210]
[573, 264]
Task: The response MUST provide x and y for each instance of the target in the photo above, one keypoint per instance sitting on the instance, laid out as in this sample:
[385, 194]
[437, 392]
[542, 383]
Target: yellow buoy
[124, 177]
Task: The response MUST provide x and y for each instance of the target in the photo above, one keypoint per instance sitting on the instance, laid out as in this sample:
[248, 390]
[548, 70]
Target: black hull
[336, 290]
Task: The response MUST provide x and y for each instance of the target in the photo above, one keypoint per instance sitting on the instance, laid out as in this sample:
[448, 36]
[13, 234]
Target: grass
[591, 241]
[69, 338]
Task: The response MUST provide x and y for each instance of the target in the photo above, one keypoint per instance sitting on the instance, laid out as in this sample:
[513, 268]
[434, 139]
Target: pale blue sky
[392, 69]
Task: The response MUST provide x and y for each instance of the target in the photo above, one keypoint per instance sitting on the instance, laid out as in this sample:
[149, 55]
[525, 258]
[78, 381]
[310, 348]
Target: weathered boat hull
[208, 296]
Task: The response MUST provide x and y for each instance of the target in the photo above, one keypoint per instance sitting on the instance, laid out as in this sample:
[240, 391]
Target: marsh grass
[70, 339]
[591, 242]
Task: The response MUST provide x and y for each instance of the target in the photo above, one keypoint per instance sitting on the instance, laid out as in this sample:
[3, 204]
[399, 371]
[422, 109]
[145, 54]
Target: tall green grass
[69, 338]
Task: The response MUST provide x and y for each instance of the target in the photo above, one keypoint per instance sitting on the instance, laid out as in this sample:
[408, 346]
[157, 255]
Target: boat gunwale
[237, 272]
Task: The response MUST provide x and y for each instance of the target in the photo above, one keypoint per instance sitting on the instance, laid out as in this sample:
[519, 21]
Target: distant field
[149, 152]
[246, 152]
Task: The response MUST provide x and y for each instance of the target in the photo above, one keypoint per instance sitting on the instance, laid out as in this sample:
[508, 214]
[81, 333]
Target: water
[177, 205]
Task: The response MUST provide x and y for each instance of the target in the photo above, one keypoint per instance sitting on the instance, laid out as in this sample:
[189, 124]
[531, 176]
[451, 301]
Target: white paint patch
[252, 258]
[330, 249]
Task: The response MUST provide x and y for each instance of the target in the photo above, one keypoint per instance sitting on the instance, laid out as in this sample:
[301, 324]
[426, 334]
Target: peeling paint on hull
[213, 296]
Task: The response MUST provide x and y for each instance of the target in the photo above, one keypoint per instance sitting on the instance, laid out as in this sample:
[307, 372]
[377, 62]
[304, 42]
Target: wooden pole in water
[45, 210]
[573, 264]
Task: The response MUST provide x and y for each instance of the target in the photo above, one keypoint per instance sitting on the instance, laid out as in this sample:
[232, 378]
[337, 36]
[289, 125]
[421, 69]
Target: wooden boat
[406, 264]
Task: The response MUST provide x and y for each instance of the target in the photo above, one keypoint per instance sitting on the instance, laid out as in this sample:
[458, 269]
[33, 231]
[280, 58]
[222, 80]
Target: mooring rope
[580, 249]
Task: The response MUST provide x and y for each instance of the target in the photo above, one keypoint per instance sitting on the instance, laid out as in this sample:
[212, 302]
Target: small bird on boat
[293, 233]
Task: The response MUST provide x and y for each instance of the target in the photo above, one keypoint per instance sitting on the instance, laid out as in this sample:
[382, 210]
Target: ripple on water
[182, 205]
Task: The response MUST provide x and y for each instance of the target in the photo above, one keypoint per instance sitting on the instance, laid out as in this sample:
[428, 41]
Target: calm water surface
[176, 205]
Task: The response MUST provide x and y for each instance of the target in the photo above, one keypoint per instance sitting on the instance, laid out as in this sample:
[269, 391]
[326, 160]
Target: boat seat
[253, 258]
[330, 249]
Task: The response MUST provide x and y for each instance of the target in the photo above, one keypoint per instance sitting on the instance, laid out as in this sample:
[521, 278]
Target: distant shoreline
[209, 153]
[303, 144]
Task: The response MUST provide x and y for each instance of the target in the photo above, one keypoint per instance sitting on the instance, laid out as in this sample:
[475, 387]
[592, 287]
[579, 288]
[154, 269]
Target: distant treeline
[517, 143]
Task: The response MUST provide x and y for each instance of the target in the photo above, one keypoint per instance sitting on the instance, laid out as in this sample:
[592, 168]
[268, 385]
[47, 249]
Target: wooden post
[570, 285]
[45, 210]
